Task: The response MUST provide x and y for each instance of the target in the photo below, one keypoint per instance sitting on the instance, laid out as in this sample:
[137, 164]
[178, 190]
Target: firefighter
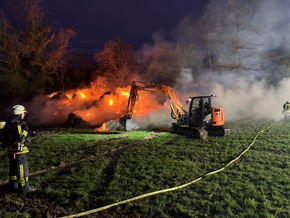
[286, 110]
[16, 139]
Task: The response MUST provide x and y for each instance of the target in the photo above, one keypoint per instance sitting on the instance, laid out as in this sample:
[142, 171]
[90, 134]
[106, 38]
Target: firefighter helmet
[18, 109]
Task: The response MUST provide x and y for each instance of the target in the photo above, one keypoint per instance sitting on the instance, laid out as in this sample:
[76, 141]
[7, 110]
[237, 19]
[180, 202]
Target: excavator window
[207, 106]
[199, 109]
[195, 117]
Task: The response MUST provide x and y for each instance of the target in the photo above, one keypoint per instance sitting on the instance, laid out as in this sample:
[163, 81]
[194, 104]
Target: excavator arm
[177, 110]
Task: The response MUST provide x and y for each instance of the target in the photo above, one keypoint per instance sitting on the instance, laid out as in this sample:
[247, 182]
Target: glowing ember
[111, 102]
[83, 95]
[52, 94]
[103, 128]
[127, 94]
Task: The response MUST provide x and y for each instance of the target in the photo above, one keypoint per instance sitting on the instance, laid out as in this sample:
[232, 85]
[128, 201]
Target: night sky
[97, 21]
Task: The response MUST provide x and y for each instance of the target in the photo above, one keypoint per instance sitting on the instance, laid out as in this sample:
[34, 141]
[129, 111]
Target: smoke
[262, 86]
[244, 97]
[157, 119]
[258, 95]
[273, 20]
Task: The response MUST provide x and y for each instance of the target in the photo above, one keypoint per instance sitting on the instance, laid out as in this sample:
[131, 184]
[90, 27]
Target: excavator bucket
[123, 121]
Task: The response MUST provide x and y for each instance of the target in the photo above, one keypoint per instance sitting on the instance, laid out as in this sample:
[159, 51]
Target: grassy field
[81, 170]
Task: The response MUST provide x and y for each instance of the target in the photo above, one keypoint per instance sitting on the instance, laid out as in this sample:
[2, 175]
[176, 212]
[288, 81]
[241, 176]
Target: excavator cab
[199, 110]
[202, 114]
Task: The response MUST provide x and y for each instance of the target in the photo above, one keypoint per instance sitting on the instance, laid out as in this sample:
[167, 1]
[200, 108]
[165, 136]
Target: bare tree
[31, 52]
[229, 34]
[114, 62]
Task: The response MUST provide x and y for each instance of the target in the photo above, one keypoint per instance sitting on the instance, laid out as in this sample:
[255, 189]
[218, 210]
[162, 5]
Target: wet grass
[80, 170]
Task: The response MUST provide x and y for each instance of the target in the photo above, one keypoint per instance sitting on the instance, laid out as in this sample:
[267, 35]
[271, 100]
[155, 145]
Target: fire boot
[26, 188]
[13, 185]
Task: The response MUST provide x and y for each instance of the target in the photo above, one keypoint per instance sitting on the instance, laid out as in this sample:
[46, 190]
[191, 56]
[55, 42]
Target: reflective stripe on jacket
[287, 107]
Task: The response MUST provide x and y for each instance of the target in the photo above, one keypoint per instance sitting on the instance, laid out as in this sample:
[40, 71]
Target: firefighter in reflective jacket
[286, 110]
[15, 139]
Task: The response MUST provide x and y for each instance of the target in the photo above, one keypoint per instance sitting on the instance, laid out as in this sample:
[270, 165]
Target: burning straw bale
[76, 121]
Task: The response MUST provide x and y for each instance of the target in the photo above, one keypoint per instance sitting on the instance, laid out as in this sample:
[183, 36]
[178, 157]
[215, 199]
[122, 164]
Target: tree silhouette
[229, 37]
[114, 62]
[30, 51]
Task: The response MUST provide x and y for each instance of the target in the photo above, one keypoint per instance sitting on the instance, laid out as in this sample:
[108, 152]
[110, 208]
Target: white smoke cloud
[246, 98]
[273, 20]
[160, 118]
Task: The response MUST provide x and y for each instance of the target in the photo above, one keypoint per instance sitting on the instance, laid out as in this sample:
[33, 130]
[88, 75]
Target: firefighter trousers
[18, 170]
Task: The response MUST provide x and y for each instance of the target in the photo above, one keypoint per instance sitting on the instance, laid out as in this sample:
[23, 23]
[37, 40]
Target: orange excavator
[199, 121]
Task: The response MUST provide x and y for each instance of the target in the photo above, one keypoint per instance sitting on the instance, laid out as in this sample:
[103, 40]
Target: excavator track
[192, 132]
[215, 130]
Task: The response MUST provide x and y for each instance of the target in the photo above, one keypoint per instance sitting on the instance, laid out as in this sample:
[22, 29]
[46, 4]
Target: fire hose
[173, 188]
